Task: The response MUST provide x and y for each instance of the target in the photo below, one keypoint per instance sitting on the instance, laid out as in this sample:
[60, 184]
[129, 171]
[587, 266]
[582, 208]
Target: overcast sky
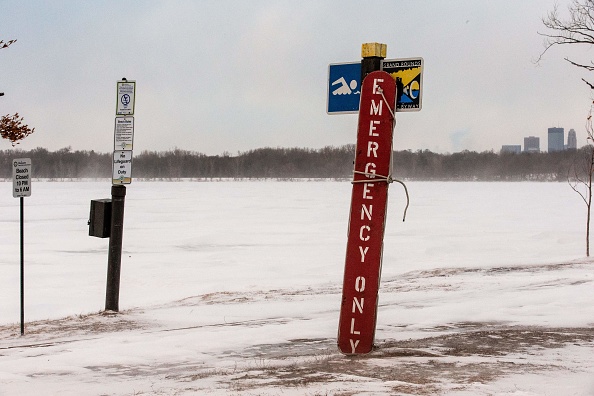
[215, 76]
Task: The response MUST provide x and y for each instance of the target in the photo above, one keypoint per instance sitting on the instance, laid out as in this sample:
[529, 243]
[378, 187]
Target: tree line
[290, 163]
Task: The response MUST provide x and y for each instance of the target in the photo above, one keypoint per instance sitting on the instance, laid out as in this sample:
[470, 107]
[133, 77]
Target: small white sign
[21, 177]
[126, 93]
[122, 167]
[124, 133]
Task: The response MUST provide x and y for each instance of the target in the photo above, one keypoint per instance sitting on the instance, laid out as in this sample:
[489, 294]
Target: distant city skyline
[555, 142]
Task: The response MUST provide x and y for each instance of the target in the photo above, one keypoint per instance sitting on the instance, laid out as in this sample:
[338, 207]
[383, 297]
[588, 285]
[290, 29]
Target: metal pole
[114, 260]
[22, 266]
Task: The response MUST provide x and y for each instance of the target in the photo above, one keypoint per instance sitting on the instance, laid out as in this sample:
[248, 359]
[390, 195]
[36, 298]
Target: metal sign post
[21, 188]
[114, 259]
[121, 175]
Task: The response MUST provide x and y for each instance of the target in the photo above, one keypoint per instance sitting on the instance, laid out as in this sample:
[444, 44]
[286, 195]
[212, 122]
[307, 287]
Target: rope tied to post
[387, 179]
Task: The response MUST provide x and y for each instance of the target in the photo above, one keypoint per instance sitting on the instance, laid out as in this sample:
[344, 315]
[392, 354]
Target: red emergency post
[373, 159]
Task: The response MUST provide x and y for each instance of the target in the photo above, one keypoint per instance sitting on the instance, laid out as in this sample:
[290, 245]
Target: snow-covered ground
[234, 287]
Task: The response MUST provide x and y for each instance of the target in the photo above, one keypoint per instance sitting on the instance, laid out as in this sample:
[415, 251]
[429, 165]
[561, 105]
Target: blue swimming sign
[344, 82]
[344, 88]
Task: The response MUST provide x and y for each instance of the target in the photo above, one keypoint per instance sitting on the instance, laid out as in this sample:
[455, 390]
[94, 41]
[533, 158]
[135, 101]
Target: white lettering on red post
[363, 252]
[370, 170]
[376, 87]
[367, 217]
[376, 109]
[367, 190]
[372, 127]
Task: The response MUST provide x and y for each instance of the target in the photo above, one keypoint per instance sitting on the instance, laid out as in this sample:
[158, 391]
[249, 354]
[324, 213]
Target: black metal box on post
[100, 218]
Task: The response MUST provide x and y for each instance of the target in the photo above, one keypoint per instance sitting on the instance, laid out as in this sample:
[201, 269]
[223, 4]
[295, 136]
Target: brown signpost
[372, 175]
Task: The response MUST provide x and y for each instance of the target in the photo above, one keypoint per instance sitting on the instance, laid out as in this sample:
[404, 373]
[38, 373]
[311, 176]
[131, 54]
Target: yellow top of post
[373, 50]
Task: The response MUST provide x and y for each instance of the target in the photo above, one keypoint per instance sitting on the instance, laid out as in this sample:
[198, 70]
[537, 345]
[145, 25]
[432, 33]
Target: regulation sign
[125, 101]
[21, 177]
[369, 198]
[123, 133]
[122, 167]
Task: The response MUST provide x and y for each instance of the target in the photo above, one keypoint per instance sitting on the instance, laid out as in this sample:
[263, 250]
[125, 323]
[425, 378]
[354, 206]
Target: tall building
[556, 139]
[571, 140]
[532, 144]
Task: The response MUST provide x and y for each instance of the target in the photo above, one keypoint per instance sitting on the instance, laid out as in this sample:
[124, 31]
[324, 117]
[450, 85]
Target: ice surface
[217, 275]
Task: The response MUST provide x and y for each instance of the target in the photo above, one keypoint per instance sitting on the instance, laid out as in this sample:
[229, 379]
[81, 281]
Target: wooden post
[372, 54]
[373, 157]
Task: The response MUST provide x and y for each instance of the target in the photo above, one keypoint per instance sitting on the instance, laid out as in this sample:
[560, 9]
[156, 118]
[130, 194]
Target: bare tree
[11, 126]
[580, 175]
[577, 28]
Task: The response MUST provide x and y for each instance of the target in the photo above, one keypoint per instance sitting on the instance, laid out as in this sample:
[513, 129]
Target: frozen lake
[234, 288]
[188, 238]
